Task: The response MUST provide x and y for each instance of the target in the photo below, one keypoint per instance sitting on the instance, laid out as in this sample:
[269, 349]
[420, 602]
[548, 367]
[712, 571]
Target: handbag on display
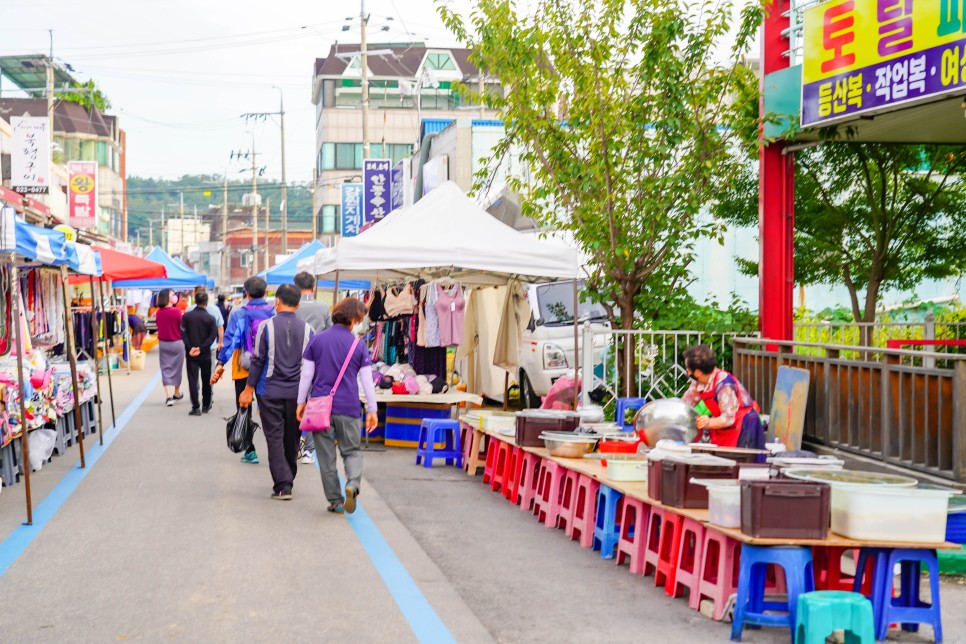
[318, 410]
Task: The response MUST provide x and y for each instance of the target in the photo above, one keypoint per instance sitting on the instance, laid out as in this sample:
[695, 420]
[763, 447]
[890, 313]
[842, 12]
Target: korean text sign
[376, 187]
[82, 194]
[862, 55]
[351, 209]
[30, 157]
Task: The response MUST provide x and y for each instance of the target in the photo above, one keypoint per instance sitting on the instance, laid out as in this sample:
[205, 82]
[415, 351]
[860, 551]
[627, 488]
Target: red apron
[728, 436]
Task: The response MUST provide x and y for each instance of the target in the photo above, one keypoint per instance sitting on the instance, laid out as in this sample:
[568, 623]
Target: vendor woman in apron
[734, 420]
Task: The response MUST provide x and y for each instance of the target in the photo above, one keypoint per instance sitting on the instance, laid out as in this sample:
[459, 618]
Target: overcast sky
[179, 73]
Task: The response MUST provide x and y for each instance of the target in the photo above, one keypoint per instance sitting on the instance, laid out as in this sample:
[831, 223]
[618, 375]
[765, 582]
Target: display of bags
[240, 429]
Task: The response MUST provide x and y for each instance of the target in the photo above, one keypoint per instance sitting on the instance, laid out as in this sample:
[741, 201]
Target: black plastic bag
[240, 429]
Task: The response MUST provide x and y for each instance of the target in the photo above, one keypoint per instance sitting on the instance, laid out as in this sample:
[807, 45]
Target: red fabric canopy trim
[122, 266]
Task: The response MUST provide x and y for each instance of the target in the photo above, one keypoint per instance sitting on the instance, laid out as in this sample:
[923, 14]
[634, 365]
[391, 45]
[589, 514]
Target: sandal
[337, 508]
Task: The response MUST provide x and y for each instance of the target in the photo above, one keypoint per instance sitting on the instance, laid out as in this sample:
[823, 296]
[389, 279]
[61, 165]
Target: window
[395, 151]
[103, 151]
[330, 219]
[327, 157]
[348, 156]
[88, 150]
[440, 61]
[243, 259]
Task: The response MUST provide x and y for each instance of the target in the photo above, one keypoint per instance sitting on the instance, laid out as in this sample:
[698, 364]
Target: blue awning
[284, 272]
[179, 277]
[45, 246]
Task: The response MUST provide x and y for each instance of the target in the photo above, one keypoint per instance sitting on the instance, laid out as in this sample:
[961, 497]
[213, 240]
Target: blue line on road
[14, 545]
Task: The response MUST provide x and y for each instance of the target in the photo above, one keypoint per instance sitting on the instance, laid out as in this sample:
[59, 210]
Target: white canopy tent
[445, 233]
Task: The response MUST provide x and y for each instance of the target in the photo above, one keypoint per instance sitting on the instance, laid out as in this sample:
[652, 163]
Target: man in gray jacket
[278, 349]
[317, 315]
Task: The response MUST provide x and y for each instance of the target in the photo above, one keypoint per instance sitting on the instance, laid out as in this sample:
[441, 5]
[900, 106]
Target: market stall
[37, 327]
[177, 275]
[284, 272]
[424, 261]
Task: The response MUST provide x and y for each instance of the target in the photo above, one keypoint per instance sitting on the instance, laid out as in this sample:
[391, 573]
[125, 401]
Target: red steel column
[776, 200]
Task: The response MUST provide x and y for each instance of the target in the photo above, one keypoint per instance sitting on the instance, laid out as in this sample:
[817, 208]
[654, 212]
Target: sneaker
[206, 408]
[179, 397]
[308, 458]
[350, 499]
[250, 457]
[194, 412]
[282, 495]
[169, 402]
[337, 508]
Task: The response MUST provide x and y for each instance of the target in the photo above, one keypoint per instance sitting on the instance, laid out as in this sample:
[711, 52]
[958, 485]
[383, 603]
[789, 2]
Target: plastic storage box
[654, 477]
[677, 490]
[890, 513]
[626, 470]
[783, 509]
[724, 504]
[530, 424]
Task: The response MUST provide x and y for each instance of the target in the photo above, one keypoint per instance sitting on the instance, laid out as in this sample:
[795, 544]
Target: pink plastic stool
[635, 517]
[568, 490]
[667, 562]
[585, 511]
[720, 556]
[492, 449]
[511, 476]
[502, 465]
[652, 541]
[688, 573]
[547, 504]
[529, 478]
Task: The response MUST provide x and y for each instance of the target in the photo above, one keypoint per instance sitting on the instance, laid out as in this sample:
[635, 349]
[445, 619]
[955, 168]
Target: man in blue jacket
[276, 369]
[239, 342]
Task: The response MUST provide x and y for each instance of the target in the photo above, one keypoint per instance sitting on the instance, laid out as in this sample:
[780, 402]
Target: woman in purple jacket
[321, 364]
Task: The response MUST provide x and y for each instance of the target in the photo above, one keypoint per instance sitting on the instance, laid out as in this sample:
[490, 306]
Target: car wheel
[528, 398]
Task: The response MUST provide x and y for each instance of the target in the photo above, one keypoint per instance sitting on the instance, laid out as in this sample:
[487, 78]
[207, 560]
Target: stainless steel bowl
[666, 418]
[569, 448]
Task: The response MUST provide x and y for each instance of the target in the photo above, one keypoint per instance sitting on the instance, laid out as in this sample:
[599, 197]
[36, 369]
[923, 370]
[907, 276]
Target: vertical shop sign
[30, 157]
[351, 209]
[396, 192]
[376, 187]
[82, 194]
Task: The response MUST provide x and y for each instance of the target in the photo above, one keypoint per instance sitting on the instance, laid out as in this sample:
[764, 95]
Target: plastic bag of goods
[41, 446]
[240, 429]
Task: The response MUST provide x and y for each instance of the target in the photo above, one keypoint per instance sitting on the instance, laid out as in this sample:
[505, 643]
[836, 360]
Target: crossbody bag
[318, 410]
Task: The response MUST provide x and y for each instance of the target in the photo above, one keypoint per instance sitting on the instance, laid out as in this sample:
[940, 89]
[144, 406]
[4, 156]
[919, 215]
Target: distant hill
[146, 197]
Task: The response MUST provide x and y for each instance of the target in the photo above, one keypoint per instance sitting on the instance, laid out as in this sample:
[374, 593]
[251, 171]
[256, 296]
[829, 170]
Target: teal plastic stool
[824, 611]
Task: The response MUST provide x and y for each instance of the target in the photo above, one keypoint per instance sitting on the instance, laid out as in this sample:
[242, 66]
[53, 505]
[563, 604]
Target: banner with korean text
[376, 189]
[864, 55]
[82, 194]
[30, 157]
[351, 209]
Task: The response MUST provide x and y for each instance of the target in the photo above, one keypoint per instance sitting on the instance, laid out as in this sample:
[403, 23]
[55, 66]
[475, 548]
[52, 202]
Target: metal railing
[879, 334]
[644, 364]
[880, 403]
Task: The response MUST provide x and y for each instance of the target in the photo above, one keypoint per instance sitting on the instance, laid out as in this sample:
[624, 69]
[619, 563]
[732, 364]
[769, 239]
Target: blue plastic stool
[606, 530]
[623, 404]
[750, 606]
[822, 612]
[434, 430]
[906, 609]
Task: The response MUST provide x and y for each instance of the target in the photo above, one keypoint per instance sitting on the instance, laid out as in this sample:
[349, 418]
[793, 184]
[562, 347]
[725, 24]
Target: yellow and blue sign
[862, 55]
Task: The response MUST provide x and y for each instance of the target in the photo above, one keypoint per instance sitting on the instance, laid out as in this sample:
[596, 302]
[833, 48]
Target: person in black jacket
[200, 331]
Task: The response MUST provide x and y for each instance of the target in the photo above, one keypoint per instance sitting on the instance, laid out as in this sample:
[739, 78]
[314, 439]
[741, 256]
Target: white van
[547, 351]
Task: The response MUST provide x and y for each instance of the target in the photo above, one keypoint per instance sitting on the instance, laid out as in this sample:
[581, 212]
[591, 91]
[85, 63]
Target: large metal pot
[666, 418]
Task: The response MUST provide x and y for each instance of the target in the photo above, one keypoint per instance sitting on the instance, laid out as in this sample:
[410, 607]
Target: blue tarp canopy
[45, 246]
[284, 272]
[179, 276]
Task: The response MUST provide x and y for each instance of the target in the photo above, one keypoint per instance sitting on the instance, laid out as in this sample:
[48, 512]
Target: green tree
[87, 95]
[872, 216]
[625, 122]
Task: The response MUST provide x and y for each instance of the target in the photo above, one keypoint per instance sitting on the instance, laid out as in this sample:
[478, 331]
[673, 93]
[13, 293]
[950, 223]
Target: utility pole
[254, 211]
[225, 264]
[182, 225]
[365, 80]
[150, 234]
[281, 114]
[50, 92]
[315, 187]
[163, 246]
[268, 232]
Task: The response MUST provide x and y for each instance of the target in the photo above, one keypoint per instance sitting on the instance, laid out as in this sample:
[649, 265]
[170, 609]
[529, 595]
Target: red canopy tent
[121, 266]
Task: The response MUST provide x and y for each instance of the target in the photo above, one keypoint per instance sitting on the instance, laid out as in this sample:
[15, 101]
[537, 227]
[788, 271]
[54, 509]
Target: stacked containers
[677, 490]
[530, 424]
[783, 509]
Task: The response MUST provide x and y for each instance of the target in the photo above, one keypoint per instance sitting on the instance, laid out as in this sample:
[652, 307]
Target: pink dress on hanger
[450, 307]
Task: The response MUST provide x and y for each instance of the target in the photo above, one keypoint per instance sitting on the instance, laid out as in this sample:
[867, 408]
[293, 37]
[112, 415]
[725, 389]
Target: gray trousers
[348, 431]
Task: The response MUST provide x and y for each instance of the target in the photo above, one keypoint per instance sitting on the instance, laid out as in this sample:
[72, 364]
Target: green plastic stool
[824, 611]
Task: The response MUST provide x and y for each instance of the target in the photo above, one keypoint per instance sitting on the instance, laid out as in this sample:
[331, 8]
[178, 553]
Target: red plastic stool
[667, 562]
[529, 477]
[635, 518]
[568, 491]
[585, 511]
[502, 466]
[547, 504]
[492, 449]
[720, 558]
[512, 474]
[652, 540]
[688, 574]
[828, 571]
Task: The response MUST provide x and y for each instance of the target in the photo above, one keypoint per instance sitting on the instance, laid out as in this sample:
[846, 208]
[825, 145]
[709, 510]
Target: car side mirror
[539, 322]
